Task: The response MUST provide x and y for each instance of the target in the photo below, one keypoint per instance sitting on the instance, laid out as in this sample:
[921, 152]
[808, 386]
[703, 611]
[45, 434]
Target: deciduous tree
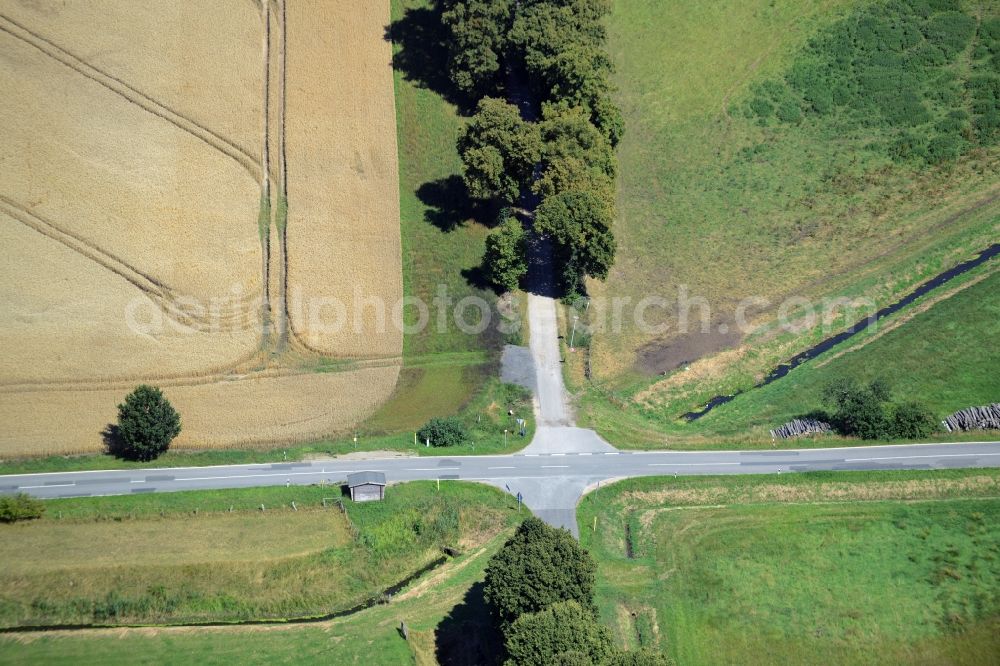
[563, 633]
[478, 32]
[579, 223]
[147, 423]
[505, 260]
[539, 566]
[498, 150]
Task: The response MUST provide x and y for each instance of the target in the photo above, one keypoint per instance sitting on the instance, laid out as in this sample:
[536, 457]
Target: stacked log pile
[974, 418]
[800, 427]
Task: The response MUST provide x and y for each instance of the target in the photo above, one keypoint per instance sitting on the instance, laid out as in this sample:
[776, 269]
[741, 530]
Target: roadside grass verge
[867, 567]
[185, 557]
[447, 617]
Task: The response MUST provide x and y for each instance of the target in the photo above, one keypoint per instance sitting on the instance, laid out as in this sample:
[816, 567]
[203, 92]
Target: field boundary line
[137, 97]
[222, 374]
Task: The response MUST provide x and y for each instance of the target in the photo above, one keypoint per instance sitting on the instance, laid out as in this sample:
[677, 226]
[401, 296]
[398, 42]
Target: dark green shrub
[944, 148]
[761, 107]
[147, 423]
[444, 432]
[20, 507]
[950, 31]
[859, 410]
[505, 260]
[912, 420]
[789, 112]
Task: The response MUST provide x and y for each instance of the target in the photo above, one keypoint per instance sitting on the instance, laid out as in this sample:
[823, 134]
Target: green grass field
[443, 611]
[889, 567]
[730, 206]
[441, 242]
[186, 557]
[938, 352]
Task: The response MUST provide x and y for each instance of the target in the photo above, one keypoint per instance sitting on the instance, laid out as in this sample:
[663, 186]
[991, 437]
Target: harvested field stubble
[130, 192]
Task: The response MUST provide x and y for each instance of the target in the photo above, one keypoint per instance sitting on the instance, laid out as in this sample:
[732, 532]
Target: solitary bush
[20, 507]
[443, 432]
[147, 423]
[860, 410]
[912, 420]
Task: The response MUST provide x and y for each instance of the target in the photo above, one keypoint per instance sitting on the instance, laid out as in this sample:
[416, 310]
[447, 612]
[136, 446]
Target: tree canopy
[575, 155]
[498, 150]
[580, 224]
[505, 258]
[147, 423]
[478, 31]
[565, 632]
[537, 567]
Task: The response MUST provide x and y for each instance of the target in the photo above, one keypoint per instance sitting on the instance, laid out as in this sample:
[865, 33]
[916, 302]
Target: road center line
[54, 485]
[940, 455]
[500, 468]
[706, 464]
[428, 469]
[249, 476]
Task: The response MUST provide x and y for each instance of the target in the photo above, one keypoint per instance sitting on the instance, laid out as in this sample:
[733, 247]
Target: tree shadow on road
[468, 635]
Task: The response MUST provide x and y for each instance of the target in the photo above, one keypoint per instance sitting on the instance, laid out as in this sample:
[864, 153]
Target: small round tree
[147, 423]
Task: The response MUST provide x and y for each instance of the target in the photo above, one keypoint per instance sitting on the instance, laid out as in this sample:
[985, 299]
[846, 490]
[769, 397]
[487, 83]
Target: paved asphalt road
[551, 474]
[551, 483]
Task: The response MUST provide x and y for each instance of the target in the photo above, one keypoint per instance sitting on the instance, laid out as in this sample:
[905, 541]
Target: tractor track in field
[159, 292]
[220, 143]
[229, 373]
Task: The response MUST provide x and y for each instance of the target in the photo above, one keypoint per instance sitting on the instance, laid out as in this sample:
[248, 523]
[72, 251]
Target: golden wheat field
[140, 140]
[341, 223]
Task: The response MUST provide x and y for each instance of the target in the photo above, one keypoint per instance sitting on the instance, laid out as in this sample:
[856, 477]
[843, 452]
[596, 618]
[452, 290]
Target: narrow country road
[546, 480]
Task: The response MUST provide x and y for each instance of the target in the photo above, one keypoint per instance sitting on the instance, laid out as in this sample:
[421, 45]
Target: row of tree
[540, 588]
[567, 157]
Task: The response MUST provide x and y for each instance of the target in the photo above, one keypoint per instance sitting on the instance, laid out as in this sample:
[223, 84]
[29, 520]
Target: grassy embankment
[443, 610]
[215, 556]
[731, 205]
[939, 351]
[873, 567]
